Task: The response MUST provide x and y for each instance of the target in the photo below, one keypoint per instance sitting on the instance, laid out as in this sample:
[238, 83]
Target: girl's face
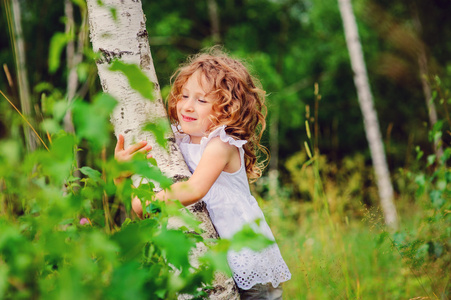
[194, 109]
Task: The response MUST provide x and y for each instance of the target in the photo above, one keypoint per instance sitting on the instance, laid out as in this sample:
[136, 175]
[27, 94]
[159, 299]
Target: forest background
[324, 211]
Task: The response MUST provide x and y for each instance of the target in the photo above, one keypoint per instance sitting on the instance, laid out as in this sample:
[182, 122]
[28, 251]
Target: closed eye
[185, 96]
[202, 101]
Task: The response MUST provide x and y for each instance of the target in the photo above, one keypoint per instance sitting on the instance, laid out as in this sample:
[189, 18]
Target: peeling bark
[127, 39]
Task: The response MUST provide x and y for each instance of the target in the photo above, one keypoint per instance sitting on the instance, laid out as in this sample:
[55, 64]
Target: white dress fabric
[231, 205]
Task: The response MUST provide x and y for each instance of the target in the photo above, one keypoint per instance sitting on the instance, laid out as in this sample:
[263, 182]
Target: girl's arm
[216, 157]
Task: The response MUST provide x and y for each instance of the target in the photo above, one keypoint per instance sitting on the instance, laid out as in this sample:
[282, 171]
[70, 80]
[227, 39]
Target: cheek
[210, 117]
[176, 112]
[178, 107]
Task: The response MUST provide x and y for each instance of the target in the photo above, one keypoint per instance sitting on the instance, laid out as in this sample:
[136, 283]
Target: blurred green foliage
[62, 227]
[59, 239]
[64, 230]
[290, 46]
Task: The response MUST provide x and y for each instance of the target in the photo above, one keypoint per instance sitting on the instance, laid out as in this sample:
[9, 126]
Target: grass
[349, 260]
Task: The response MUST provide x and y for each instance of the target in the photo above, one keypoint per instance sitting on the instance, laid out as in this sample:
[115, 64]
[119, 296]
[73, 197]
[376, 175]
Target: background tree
[369, 114]
[18, 43]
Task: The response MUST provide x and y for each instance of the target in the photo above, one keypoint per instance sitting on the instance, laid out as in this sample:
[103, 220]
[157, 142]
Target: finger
[120, 143]
[145, 149]
[136, 147]
[149, 155]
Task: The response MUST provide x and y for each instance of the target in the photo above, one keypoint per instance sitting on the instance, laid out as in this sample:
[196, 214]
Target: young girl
[218, 113]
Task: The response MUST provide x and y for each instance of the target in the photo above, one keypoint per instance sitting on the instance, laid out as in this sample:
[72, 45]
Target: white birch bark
[22, 76]
[126, 39]
[371, 123]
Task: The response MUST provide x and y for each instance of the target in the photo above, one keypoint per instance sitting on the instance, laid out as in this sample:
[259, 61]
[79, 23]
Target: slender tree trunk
[74, 56]
[371, 123]
[214, 20]
[273, 173]
[274, 117]
[126, 39]
[22, 76]
[424, 76]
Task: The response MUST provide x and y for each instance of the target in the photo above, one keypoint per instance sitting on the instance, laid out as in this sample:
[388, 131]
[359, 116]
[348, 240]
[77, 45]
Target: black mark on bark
[108, 56]
[199, 207]
[143, 34]
[178, 178]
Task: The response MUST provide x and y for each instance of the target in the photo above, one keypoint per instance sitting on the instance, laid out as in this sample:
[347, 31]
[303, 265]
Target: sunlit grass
[352, 260]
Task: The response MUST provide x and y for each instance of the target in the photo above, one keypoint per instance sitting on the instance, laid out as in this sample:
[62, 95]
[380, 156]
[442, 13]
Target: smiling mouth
[188, 119]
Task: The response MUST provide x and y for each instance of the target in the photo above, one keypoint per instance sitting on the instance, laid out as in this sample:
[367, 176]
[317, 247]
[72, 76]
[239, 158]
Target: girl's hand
[123, 155]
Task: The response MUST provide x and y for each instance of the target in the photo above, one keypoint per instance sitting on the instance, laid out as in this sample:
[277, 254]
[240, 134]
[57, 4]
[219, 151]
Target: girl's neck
[194, 139]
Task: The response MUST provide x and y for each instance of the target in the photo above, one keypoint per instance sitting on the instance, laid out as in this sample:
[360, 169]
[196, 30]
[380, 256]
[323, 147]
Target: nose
[188, 105]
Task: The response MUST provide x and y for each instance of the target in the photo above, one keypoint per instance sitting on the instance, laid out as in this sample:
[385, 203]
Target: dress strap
[220, 131]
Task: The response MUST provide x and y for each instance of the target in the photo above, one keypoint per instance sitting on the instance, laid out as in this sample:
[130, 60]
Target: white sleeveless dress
[231, 205]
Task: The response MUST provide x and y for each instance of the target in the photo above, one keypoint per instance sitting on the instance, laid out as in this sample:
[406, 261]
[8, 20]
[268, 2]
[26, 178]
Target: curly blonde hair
[239, 104]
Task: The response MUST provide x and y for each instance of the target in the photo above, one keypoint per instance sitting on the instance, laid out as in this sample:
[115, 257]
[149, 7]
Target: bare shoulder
[224, 151]
[218, 145]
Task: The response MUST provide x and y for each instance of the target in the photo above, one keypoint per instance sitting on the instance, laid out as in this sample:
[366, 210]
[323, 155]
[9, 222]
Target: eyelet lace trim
[267, 267]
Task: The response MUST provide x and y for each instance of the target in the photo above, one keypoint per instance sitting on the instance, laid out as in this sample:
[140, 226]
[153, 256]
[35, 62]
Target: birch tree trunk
[371, 123]
[126, 38]
[22, 76]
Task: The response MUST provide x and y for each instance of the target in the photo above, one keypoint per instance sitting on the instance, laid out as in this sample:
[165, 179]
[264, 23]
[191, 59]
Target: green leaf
[430, 159]
[92, 120]
[58, 163]
[136, 78]
[57, 44]
[50, 125]
[143, 168]
[419, 152]
[82, 71]
[80, 3]
[420, 180]
[4, 270]
[128, 282]
[95, 175]
[216, 257]
[159, 130]
[145, 192]
[10, 151]
[59, 109]
[113, 11]
[176, 247]
[422, 251]
[381, 238]
[436, 198]
[133, 236]
[248, 238]
[448, 176]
